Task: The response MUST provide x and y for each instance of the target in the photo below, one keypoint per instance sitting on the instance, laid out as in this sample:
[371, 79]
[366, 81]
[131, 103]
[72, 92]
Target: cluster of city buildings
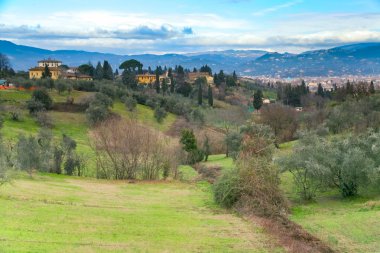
[327, 83]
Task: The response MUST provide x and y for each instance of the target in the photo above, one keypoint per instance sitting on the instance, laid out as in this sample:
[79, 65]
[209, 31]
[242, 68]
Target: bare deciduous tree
[128, 150]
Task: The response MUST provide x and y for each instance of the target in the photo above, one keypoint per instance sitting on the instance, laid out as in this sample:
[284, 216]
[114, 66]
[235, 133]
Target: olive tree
[4, 163]
[347, 164]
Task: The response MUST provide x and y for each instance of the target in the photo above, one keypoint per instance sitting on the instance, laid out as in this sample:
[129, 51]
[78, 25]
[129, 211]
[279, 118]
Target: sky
[168, 26]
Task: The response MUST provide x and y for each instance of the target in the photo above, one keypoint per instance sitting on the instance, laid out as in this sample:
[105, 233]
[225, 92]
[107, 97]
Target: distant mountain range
[357, 59]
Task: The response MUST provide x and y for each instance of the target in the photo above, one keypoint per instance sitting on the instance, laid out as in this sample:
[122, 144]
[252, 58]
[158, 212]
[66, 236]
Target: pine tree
[258, 99]
[98, 72]
[116, 73]
[210, 96]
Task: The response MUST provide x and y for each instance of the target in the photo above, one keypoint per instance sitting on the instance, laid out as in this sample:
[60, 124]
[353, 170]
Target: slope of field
[71, 124]
[66, 214]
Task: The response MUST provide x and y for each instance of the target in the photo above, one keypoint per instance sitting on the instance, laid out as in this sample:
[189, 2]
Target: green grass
[272, 95]
[221, 161]
[187, 173]
[51, 213]
[346, 225]
[14, 96]
[145, 115]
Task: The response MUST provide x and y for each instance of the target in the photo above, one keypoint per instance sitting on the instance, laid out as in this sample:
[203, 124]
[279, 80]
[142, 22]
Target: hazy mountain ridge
[357, 59]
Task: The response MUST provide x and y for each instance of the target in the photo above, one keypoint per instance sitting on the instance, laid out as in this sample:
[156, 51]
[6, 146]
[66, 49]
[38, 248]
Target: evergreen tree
[210, 96]
[206, 148]
[129, 79]
[304, 89]
[164, 86]
[221, 77]
[320, 90]
[98, 72]
[349, 88]
[87, 69]
[234, 76]
[216, 80]
[200, 93]
[107, 71]
[157, 82]
[46, 73]
[116, 73]
[258, 99]
[372, 88]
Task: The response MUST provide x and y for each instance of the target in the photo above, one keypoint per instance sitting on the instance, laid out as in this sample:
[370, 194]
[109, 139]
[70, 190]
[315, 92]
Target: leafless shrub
[128, 150]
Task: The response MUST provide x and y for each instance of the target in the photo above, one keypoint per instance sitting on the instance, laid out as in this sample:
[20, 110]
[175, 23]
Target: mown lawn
[61, 214]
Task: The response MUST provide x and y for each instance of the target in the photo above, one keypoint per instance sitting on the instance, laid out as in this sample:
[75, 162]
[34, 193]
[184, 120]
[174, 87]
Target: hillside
[120, 217]
[357, 59]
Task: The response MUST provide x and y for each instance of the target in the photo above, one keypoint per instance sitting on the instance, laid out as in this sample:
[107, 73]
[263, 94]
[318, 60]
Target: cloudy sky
[168, 26]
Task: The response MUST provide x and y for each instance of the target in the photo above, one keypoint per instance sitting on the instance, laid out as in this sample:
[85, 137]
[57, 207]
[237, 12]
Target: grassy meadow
[39, 214]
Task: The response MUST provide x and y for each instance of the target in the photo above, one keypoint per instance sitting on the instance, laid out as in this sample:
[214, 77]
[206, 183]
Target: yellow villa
[146, 78]
[150, 78]
[53, 65]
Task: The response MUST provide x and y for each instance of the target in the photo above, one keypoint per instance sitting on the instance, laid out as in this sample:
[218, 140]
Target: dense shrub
[227, 189]
[85, 86]
[253, 187]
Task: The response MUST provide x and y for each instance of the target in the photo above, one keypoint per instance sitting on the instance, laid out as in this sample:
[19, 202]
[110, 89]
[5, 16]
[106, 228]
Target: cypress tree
[210, 96]
[107, 71]
[258, 99]
[98, 72]
[46, 73]
[200, 91]
[157, 82]
[164, 86]
[372, 88]
[320, 90]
